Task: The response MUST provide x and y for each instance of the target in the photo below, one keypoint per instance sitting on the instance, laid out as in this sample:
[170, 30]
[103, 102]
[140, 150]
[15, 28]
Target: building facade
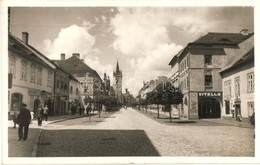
[90, 83]
[31, 79]
[199, 64]
[238, 84]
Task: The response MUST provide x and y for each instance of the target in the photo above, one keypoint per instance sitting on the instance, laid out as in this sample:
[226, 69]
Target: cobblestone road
[130, 133]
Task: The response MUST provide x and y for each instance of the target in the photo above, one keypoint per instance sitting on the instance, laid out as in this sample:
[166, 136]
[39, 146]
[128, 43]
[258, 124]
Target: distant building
[239, 87]
[90, 82]
[128, 98]
[198, 66]
[117, 83]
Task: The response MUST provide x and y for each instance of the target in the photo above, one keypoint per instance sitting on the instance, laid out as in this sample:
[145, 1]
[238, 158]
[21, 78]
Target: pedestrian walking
[23, 120]
[81, 110]
[46, 112]
[40, 115]
[252, 119]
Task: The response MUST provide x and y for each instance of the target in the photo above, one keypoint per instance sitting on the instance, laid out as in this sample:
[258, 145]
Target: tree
[165, 94]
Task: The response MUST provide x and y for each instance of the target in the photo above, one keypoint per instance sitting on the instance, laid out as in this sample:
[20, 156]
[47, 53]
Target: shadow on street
[83, 143]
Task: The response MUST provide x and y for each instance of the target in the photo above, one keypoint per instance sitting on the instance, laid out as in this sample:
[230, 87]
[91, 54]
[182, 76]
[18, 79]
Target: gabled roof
[18, 47]
[247, 58]
[76, 65]
[222, 38]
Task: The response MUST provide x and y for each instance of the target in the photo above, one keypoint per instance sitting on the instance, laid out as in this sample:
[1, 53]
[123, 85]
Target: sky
[142, 39]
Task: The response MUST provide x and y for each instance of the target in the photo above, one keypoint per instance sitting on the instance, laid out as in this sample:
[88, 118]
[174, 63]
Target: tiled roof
[222, 38]
[15, 45]
[249, 57]
[75, 65]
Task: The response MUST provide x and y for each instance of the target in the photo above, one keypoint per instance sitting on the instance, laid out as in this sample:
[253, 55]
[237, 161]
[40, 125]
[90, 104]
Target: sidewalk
[242, 124]
[28, 148]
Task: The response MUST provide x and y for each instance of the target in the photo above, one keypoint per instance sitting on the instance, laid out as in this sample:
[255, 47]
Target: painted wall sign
[209, 94]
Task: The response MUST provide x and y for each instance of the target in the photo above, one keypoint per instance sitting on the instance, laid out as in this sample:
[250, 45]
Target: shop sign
[210, 94]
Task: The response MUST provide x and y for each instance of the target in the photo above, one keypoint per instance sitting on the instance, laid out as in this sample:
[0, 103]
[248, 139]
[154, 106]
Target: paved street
[132, 133]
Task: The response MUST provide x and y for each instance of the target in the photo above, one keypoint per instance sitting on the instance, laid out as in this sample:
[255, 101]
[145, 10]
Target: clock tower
[117, 83]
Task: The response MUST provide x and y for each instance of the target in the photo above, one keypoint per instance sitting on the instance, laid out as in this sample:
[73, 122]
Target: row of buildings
[216, 75]
[60, 84]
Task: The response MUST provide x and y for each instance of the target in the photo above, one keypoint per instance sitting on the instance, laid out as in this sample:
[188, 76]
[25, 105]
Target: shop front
[209, 104]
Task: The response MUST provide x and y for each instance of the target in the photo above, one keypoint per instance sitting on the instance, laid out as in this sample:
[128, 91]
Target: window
[237, 87]
[49, 83]
[58, 83]
[227, 88]
[33, 74]
[71, 90]
[251, 108]
[65, 86]
[250, 82]
[208, 59]
[12, 64]
[77, 91]
[24, 71]
[208, 79]
[39, 76]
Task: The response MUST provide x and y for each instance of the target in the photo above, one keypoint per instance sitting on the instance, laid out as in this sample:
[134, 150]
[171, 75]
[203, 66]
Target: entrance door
[237, 110]
[16, 102]
[209, 108]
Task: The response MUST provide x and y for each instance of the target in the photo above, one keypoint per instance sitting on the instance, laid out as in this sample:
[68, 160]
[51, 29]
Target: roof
[247, 58]
[75, 65]
[222, 38]
[27, 51]
[18, 47]
[214, 43]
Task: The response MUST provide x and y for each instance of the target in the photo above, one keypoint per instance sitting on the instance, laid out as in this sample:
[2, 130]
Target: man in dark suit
[23, 120]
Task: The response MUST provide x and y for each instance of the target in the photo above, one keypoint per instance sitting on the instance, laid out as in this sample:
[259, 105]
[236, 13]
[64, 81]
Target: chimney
[62, 56]
[244, 32]
[75, 54]
[25, 37]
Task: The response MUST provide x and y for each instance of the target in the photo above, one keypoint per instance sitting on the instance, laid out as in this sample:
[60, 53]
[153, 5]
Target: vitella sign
[210, 94]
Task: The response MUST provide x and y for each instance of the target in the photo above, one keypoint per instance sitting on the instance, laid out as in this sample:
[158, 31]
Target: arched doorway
[209, 108]
[36, 104]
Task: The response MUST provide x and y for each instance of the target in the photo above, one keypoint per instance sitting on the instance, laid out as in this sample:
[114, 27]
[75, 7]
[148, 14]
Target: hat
[24, 104]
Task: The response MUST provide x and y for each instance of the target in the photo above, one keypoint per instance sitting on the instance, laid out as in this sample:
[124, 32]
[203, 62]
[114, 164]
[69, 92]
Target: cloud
[71, 39]
[76, 39]
[142, 36]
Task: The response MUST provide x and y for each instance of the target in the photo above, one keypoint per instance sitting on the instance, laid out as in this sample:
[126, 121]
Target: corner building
[199, 64]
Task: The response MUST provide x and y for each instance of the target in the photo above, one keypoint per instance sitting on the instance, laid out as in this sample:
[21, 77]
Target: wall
[245, 97]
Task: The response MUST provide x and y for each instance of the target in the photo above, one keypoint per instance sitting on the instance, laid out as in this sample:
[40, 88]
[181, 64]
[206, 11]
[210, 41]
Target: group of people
[42, 114]
[81, 110]
[24, 118]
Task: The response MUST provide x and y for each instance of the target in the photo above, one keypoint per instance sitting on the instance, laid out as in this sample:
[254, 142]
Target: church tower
[117, 83]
